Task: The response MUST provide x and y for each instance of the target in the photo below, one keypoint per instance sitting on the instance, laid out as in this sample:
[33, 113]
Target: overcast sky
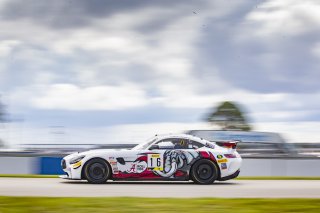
[107, 62]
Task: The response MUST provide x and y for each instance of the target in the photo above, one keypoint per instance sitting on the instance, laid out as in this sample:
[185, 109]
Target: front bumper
[65, 177]
[72, 171]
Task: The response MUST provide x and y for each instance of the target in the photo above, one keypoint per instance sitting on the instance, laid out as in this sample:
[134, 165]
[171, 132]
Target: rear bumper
[232, 176]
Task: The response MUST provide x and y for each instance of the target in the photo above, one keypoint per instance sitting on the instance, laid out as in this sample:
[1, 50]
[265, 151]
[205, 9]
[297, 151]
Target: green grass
[37, 204]
[239, 178]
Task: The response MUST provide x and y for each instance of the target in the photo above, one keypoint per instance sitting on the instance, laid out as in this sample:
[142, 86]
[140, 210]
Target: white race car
[166, 157]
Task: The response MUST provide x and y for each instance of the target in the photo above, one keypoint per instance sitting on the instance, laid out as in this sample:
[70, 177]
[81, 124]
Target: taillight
[230, 155]
[232, 145]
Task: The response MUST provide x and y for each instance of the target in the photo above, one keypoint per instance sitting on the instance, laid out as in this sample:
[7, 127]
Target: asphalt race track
[55, 187]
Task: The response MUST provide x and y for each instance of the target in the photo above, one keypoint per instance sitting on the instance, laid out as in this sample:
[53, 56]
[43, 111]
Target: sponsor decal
[155, 162]
[222, 160]
[219, 156]
[76, 165]
[114, 166]
[133, 167]
[223, 166]
[137, 168]
[140, 168]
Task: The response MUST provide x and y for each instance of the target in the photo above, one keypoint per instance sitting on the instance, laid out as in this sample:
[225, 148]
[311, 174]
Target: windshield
[145, 145]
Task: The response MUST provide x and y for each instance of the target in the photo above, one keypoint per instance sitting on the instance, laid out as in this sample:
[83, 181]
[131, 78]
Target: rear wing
[229, 144]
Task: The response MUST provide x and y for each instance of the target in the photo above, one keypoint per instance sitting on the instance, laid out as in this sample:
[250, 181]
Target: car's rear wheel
[96, 171]
[204, 171]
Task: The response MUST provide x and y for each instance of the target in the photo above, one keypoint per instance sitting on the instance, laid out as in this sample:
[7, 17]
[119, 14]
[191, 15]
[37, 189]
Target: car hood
[94, 151]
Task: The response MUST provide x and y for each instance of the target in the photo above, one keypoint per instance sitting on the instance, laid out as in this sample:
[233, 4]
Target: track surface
[55, 187]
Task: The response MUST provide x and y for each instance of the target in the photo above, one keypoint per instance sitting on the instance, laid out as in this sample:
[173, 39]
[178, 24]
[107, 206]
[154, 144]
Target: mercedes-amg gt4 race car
[166, 157]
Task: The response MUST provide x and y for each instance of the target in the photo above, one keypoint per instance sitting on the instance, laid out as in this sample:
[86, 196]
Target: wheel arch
[216, 164]
[93, 158]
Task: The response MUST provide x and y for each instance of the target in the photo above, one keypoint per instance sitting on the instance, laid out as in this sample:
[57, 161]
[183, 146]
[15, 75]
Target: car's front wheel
[96, 171]
[204, 171]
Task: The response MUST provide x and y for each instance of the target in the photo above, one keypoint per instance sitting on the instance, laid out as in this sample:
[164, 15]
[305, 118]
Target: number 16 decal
[155, 162]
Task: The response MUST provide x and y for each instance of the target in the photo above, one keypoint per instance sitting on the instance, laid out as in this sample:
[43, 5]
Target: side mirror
[154, 146]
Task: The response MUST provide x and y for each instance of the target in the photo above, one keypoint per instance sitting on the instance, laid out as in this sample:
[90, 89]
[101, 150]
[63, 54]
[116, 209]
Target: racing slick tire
[204, 171]
[96, 171]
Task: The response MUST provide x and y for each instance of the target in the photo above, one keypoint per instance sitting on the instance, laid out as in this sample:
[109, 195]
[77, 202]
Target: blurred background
[78, 75]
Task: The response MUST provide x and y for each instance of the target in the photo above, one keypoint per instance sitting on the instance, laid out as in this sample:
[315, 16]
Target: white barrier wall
[250, 167]
[280, 167]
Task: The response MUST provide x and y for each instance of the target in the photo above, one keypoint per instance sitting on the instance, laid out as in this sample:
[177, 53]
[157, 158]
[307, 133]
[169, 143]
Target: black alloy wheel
[97, 171]
[204, 171]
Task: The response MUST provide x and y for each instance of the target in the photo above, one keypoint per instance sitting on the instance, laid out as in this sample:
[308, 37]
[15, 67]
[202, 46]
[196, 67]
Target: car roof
[186, 136]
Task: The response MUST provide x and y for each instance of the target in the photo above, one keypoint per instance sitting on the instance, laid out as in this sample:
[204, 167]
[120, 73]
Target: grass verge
[41, 204]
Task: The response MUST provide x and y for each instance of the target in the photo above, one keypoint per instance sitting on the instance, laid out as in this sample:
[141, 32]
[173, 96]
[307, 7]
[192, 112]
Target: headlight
[76, 159]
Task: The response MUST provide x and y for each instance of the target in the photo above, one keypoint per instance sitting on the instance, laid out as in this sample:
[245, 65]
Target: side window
[195, 145]
[167, 143]
[178, 143]
[181, 143]
[173, 143]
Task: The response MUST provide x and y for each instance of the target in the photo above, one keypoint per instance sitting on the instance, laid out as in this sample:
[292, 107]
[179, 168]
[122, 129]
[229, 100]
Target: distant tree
[229, 117]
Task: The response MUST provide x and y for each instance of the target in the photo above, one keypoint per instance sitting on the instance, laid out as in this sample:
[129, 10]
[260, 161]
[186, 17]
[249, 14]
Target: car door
[124, 164]
[169, 157]
[145, 164]
[178, 161]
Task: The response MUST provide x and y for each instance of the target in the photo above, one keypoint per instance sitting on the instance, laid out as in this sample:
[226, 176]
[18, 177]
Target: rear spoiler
[229, 144]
